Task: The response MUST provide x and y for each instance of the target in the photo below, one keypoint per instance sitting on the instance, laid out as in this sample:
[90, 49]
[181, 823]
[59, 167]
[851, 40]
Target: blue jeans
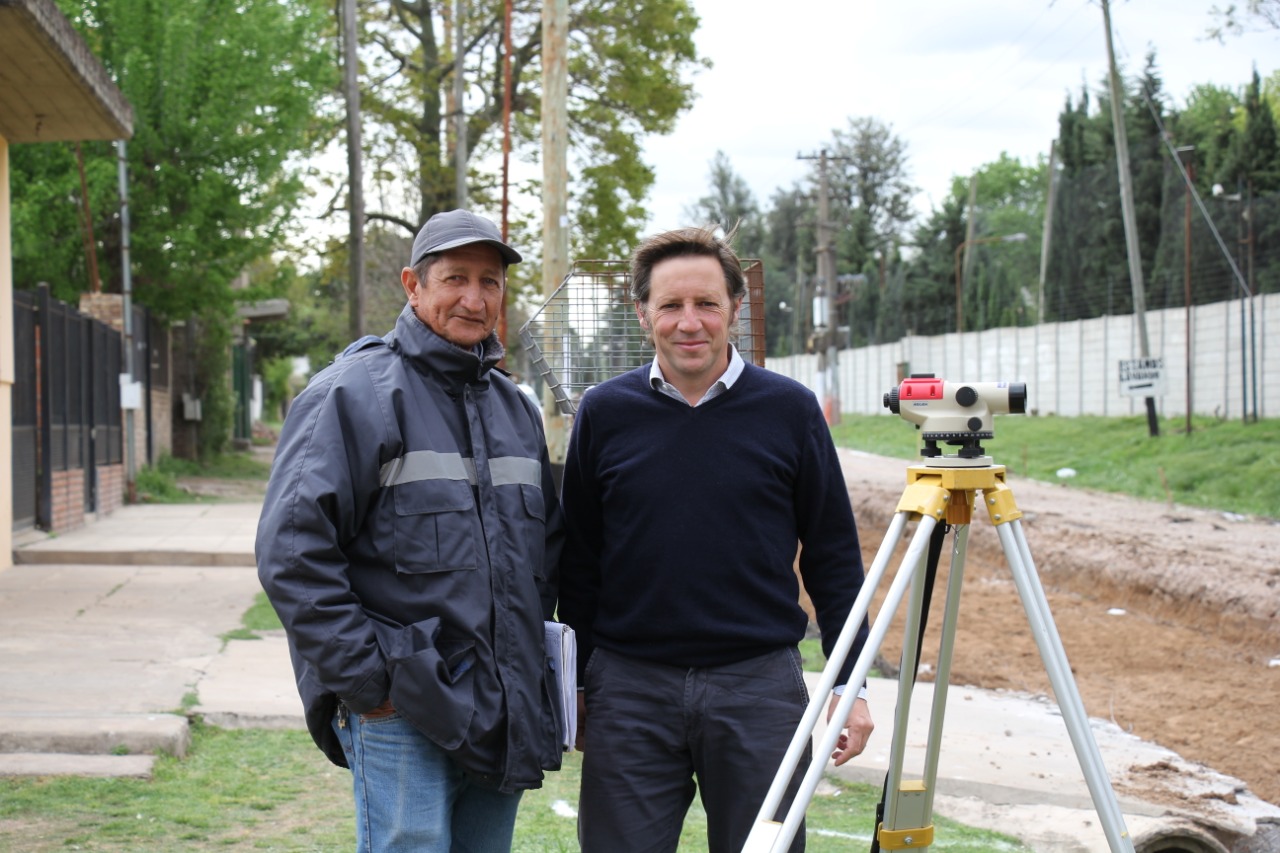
[410, 796]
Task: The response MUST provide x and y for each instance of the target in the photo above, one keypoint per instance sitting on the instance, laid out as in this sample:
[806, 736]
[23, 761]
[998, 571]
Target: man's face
[462, 297]
[689, 313]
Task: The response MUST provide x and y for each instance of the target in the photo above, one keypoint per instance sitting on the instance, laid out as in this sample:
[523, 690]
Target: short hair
[686, 242]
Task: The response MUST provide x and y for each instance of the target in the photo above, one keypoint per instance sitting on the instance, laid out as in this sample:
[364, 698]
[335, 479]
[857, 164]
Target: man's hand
[855, 731]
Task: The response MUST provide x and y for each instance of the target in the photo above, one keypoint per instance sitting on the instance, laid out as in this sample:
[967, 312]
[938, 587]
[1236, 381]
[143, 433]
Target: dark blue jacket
[409, 541]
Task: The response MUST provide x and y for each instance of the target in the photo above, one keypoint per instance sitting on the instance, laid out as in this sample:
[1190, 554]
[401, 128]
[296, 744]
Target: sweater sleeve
[322, 481]
[580, 563]
[830, 556]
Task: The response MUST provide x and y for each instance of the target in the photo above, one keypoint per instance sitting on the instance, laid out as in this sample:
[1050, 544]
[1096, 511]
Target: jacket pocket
[532, 527]
[433, 682]
[434, 526]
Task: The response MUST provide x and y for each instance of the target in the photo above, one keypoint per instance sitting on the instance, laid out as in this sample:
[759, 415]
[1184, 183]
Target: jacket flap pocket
[423, 496]
[534, 504]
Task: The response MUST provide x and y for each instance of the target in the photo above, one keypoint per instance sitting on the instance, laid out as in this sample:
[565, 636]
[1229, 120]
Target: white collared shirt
[659, 382]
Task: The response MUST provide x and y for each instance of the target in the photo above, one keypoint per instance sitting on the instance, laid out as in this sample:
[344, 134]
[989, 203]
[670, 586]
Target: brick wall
[105, 307]
[67, 500]
[110, 488]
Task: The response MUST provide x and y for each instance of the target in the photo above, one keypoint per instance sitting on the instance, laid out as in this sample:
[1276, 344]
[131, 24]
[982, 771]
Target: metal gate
[66, 402]
[25, 402]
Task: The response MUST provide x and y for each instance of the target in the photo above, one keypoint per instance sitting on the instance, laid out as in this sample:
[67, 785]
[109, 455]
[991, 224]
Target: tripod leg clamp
[905, 839]
[1000, 504]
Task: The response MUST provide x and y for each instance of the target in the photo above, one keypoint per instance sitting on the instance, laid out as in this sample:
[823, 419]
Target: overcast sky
[959, 82]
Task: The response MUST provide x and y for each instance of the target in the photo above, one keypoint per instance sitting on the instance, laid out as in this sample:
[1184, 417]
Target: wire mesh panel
[587, 332]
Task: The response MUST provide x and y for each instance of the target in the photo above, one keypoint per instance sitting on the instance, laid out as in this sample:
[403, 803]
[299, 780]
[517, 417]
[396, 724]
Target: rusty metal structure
[587, 332]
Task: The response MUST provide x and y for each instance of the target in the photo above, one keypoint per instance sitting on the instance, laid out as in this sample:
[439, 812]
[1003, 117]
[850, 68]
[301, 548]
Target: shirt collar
[736, 365]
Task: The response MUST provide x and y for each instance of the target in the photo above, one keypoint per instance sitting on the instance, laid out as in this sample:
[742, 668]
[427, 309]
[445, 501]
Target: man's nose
[473, 296]
[689, 318]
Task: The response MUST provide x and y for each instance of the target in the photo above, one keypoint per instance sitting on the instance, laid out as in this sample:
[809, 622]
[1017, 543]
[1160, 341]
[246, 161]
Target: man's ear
[644, 320]
[410, 283]
[737, 310]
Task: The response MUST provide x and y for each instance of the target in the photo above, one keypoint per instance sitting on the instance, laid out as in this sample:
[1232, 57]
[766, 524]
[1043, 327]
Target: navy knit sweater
[682, 523]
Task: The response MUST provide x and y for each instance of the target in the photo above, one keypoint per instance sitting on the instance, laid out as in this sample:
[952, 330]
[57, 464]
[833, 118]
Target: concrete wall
[1073, 368]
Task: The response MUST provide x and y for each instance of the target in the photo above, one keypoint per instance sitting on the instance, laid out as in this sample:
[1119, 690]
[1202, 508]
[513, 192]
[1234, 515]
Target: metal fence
[66, 414]
[587, 330]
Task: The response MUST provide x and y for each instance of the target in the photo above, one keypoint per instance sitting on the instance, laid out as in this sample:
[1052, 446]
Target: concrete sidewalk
[213, 534]
[111, 634]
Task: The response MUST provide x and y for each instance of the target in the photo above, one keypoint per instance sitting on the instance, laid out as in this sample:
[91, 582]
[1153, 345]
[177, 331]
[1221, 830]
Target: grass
[274, 791]
[260, 617]
[1224, 465]
[159, 483]
[235, 790]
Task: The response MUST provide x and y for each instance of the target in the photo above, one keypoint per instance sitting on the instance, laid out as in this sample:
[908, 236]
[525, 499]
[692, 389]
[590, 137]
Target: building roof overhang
[52, 87]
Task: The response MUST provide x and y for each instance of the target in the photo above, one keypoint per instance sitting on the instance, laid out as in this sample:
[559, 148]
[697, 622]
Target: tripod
[941, 491]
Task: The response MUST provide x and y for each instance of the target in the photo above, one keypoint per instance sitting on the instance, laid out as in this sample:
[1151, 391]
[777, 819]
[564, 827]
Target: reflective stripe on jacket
[409, 541]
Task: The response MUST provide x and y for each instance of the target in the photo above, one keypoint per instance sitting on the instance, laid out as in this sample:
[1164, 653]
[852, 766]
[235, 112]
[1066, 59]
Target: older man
[409, 540]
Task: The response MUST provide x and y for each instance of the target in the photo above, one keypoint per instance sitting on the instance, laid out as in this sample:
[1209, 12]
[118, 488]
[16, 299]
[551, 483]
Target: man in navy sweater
[687, 486]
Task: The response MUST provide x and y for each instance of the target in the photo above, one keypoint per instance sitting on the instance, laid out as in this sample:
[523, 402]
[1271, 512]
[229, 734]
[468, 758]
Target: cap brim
[510, 255]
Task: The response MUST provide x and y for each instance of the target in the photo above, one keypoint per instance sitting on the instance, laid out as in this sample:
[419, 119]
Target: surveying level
[940, 495]
[958, 413]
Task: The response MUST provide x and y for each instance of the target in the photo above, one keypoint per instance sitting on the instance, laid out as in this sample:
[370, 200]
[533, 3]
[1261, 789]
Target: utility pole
[1130, 217]
[126, 290]
[460, 112]
[1184, 153]
[1046, 239]
[966, 264]
[355, 169]
[555, 180]
[506, 149]
[829, 358]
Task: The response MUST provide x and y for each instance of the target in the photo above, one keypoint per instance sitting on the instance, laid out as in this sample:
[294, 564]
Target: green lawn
[1225, 465]
[274, 791]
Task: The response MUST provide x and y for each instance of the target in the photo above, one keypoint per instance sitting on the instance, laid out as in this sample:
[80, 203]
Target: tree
[1257, 15]
[225, 101]
[627, 65]
[870, 188]
[222, 103]
[788, 267]
[731, 205]
[999, 289]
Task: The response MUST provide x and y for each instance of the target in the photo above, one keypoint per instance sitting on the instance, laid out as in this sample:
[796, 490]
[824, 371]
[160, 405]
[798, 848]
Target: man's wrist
[839, 691]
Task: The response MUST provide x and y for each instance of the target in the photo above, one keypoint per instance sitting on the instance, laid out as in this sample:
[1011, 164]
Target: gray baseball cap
[455, 228]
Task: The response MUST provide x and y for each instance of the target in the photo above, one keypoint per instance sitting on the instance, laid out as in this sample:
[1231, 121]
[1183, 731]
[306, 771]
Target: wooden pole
[355, 168]
[1127, 209]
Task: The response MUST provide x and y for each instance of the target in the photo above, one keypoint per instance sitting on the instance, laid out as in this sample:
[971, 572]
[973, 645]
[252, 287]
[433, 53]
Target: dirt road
[1170, 616]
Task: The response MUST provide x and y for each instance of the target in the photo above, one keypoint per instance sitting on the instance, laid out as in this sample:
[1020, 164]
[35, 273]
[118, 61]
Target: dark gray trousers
[653, 729]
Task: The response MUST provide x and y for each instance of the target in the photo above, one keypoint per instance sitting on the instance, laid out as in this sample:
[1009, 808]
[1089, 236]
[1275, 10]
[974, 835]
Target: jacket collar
[430, 353]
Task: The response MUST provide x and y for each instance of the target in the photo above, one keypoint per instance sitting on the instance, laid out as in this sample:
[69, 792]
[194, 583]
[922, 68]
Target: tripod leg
[946, 649]
[768, 835]
[1065, 691]
[908, 815]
